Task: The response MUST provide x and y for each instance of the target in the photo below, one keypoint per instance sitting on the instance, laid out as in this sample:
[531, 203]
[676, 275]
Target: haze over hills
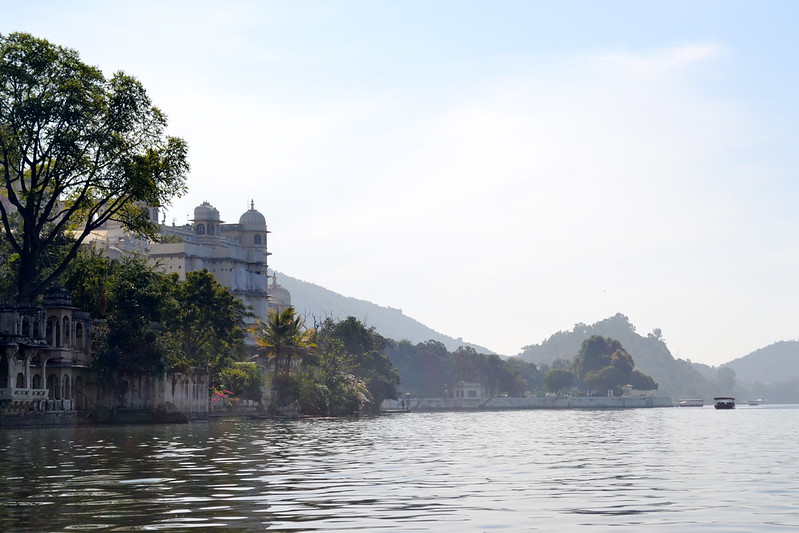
[775, 363]
[313, 301]
[771, 372]
[675, 377]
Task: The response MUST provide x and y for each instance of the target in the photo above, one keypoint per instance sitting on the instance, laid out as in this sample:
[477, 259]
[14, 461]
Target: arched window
[26, 326]
[79, 335]
[65, 329]
[80, 398]
[52, 387]
[54, 331]
[20, 380]
[49, 333]
[66, 388]
[37, 381]
[200, 229]
[257, 239]
[4, 371]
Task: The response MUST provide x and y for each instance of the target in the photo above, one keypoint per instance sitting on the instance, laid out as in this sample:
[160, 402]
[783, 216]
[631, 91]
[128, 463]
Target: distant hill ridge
[771, 372]
[311, 300]
[675, 377]
[775, 363]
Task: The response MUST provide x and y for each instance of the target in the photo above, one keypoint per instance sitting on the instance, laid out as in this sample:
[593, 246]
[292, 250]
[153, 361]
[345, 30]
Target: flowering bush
[221, 398]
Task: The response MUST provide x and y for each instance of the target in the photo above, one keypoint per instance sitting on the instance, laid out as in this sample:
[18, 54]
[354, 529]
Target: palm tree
[281, 337]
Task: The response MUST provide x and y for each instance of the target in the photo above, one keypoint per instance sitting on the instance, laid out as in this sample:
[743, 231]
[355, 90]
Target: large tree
[132, 301]
[77, 150]
[495, 375]
[151, 321]
[207, 322]
[604, 365]
[425, 368]
[557, 379]
[363, 360]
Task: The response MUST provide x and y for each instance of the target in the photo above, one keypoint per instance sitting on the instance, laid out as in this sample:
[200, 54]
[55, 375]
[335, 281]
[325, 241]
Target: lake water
[673, 469]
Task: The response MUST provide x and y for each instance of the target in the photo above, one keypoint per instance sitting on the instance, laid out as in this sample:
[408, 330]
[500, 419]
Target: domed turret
[206, 219]
[279, 297]
[252, 219]
[57, 296]
[205, 212]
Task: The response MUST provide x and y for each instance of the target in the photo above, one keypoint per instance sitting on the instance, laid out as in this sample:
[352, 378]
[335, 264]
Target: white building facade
[235, 254]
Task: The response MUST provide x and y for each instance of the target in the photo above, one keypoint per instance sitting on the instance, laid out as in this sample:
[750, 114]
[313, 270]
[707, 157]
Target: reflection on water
[666, 469]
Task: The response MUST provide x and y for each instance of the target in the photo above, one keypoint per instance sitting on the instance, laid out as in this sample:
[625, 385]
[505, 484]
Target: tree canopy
[151, 321]
[337, 368]
[207, 321]
[282, 337]
[77, 150]
[362, 360]
[557, 379]
[131, 301]
[604, 365]
[427, 369]
[678, 378]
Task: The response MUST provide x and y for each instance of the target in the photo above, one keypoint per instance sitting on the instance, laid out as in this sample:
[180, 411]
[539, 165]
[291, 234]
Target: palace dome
[252, 219]
[206, 212]
[278, 296]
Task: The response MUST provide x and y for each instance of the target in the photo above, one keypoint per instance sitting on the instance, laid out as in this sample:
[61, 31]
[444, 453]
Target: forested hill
[314, 301]
[778, 362]
[676, 377]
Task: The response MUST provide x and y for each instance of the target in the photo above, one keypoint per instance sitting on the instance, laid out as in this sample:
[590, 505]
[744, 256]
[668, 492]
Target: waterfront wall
[176, 396]
[46, 376]
[20, 419]
[566, 402]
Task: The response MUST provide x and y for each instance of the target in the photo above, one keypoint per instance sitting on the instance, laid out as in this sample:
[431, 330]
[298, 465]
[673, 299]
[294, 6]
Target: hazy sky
[499, 170]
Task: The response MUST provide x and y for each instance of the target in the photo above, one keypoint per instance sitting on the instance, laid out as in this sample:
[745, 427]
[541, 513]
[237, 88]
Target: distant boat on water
[724, 402]
[690, 402]
[757, 402]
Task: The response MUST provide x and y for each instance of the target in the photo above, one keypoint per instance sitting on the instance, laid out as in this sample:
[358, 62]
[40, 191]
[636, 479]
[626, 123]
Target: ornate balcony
[23, 395]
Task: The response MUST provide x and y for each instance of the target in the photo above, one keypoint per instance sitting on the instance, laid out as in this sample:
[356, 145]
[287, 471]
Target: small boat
[690, 402]
[756, 402]
[724, 402]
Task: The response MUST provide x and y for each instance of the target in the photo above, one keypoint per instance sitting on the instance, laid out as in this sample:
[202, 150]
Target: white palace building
[235, 253]
[45, 352]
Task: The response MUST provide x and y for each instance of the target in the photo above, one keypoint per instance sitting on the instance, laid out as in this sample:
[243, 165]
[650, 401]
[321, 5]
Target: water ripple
[652, 469]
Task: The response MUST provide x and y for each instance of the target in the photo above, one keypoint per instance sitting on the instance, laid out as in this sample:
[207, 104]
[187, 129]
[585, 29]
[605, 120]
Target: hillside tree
[557, 379]
[603, 364]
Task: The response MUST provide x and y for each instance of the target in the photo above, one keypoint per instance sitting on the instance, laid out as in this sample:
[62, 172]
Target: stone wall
[565, 402]
[174, 393]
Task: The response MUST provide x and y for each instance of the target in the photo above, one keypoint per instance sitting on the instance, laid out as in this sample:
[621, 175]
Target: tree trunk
[25, 280]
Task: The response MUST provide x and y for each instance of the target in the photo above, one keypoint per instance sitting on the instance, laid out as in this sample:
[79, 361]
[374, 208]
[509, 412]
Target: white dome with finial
[279, 297]
[252, 219]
